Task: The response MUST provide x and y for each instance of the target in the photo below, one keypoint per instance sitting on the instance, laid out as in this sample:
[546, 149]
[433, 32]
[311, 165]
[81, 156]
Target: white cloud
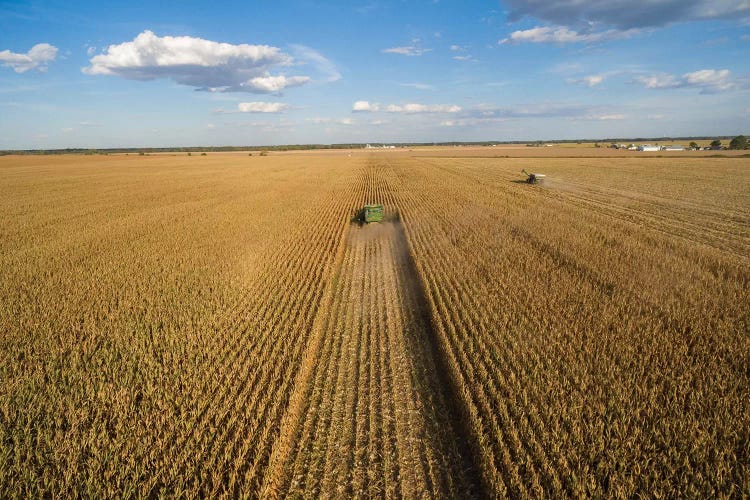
[561, 35]
[707, 80]
[626, 14]
[589, 81]
[378, 122]
[411, 108]
[345, 121]
[262, 107]
[90, 50]
[464, 58]
[36, 58]
[414, 108]
[205, 64]
[210, 126]
[365, 106]
[273, 84]
[606, 117]
[409, 50]
[657, 81]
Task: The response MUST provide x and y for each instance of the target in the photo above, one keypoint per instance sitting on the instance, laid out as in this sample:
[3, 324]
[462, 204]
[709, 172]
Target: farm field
[217, 325]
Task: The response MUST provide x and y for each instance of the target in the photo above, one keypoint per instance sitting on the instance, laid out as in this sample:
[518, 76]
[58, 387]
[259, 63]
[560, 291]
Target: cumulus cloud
[204, 64]
[562, 35]
[36, 58]
[365, 106]
[626, 14]
[707, 80]
[408, 50]
[272, 84]
[262, 107]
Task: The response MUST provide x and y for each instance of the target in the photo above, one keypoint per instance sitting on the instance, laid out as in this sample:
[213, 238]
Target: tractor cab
[373, 213]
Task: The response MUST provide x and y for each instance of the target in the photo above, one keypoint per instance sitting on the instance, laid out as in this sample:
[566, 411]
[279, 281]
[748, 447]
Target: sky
[95, 74]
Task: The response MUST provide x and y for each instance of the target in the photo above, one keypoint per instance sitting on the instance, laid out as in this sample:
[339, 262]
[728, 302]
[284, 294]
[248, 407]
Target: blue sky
[132, 74]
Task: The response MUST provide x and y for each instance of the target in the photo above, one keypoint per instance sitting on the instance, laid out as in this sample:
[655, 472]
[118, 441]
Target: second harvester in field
[534, 178]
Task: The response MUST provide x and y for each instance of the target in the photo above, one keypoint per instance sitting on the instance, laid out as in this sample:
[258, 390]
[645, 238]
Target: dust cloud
[377, 231]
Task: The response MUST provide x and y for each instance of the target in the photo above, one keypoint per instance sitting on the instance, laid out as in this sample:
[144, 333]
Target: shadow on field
[426, 345]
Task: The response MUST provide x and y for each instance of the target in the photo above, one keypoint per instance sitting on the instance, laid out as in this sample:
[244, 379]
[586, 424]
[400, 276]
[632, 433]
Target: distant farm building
[673, 148]
[648, 147]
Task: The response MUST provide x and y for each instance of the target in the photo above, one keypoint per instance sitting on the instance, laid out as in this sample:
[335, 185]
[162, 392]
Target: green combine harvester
[373, 213]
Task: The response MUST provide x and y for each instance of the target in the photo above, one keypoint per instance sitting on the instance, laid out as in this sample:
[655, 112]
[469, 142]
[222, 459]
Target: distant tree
[249, 154]
[190, 154]
[203, 154]
[694, 145]
[716, 143]
[739, 142]
[264, 152]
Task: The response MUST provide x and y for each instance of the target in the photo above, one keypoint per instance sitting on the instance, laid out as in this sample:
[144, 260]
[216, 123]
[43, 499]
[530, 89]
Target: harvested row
[370, 417]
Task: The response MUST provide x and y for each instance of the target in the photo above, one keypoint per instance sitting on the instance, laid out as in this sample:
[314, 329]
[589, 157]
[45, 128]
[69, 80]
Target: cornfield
[216, 326]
